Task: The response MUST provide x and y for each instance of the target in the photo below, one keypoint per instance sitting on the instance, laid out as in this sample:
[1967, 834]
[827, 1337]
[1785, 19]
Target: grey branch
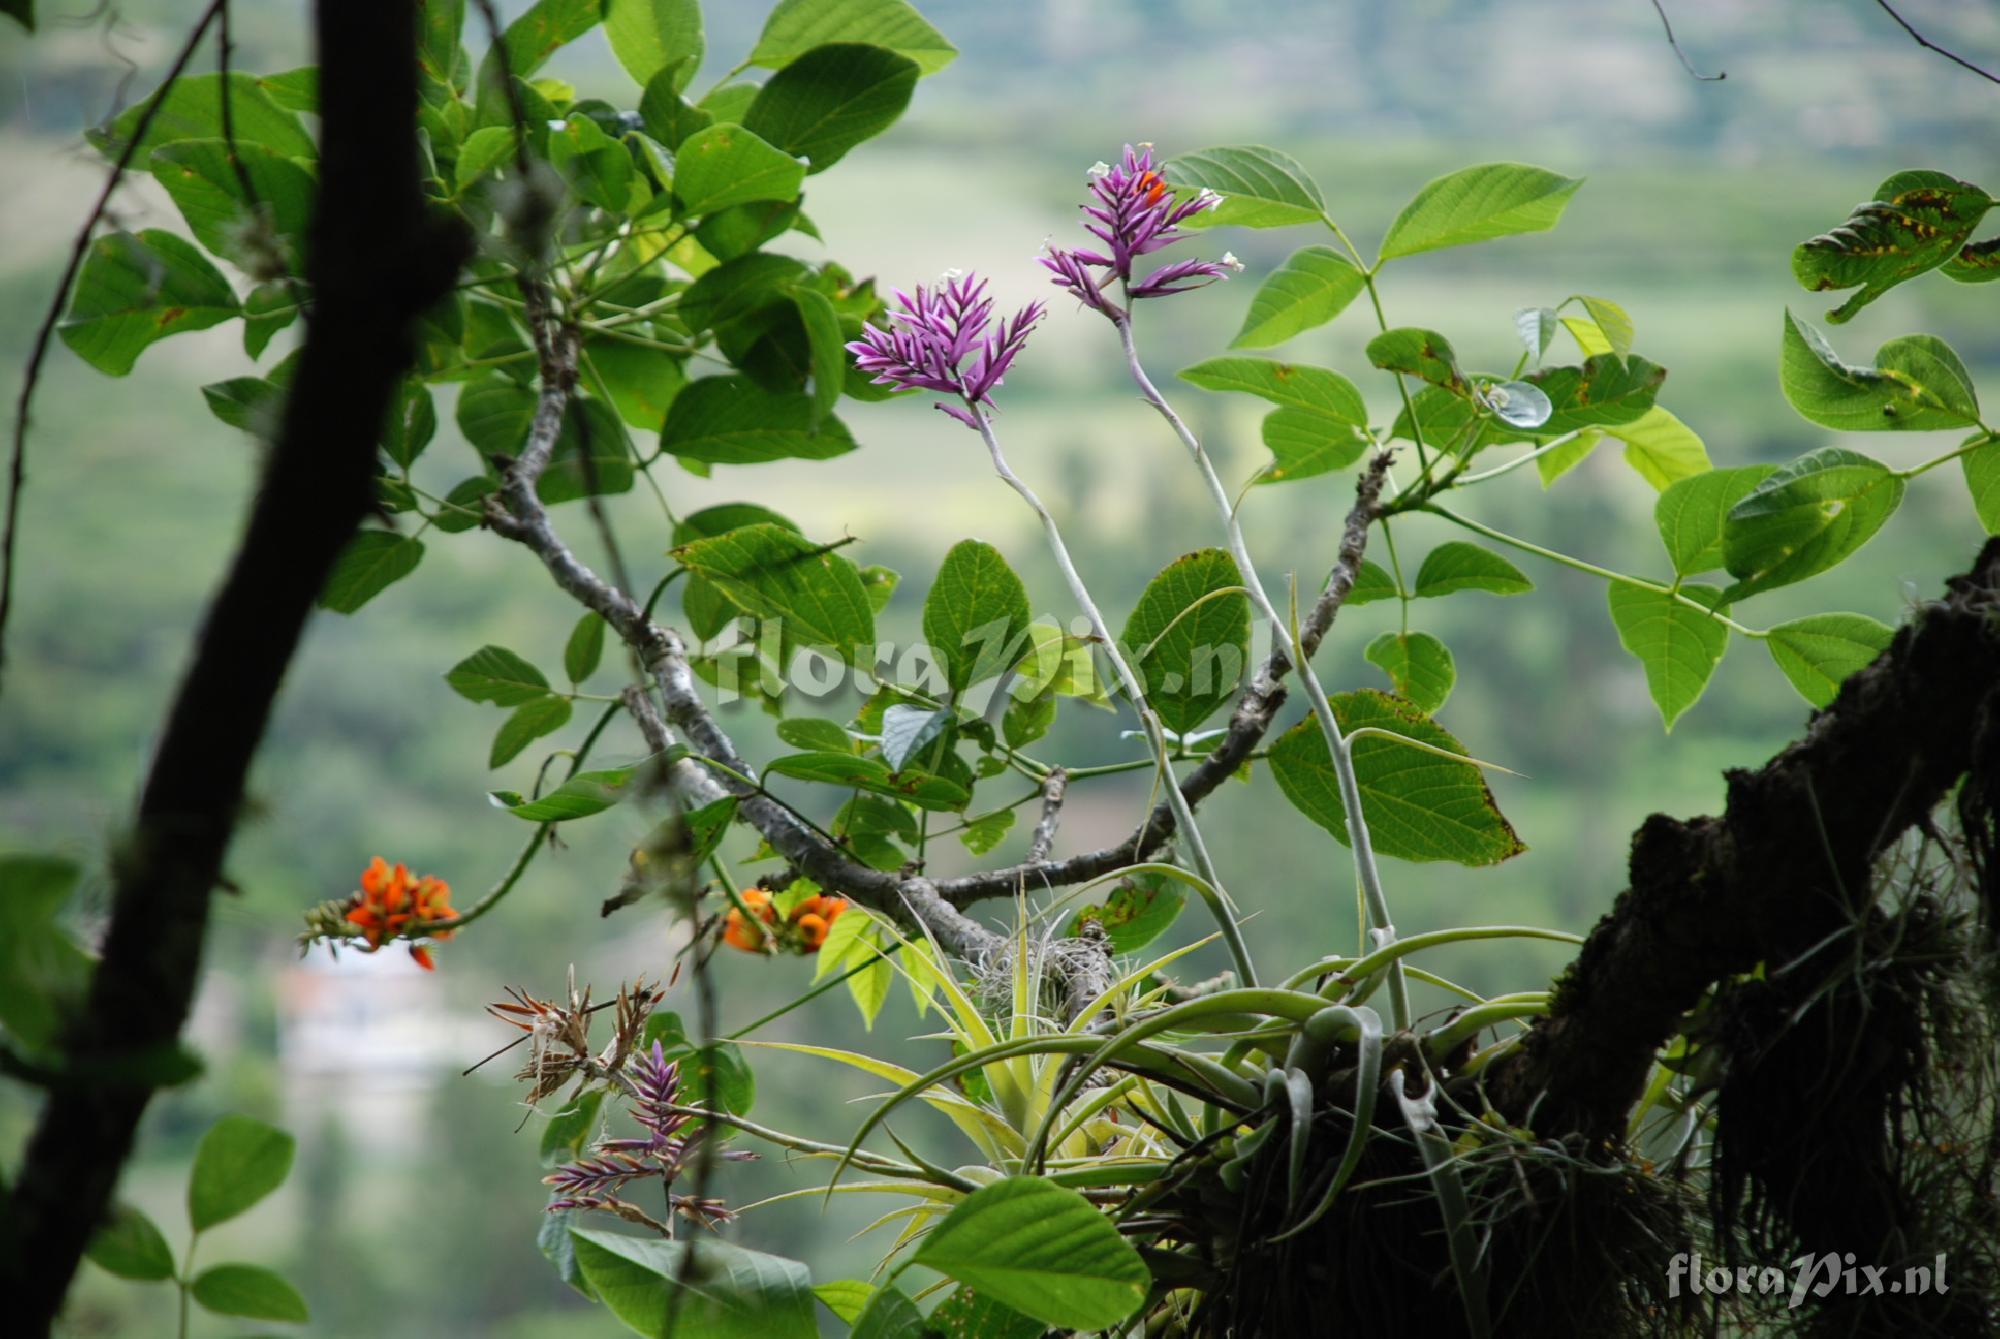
[1044, 840]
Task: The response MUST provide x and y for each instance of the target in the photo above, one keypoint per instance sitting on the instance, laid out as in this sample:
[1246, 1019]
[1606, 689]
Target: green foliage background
[1696, 195]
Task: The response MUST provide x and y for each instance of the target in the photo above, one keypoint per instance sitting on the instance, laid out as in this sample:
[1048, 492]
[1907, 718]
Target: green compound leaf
[831, 99]
[1981, 467]
[251, 1291]
[1305, 444]
[529, 722]
[1806, 517]
[131, 1246]
[730, 1292]
[1607, 392]
[1477, 204]
[191, 108]
[797, 26]
[1041, 1249]
[373, 561]
[1313, 286]
[1371, 583]
[1456, 565]
[207, 188]
[1321, 422]
[726, 165]
[1418, 664]
[976, 615]
[1819, 652]
[1691, 513]
[238, 1162]
[136, 289]
[1678, 646]
[872, 774]
[771, 572]
[730, 420]
[1260, 187]
[1917, 384]
[649, 36]
[1419, 806]
[1660, 448]
[1424, 354]
[581, 796]
[495, 674]
[585, 648]
[1917, 221]
[1189, 642]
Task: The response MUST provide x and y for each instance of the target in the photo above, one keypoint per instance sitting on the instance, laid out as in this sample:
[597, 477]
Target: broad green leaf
[135, 289]
[251, 1291]
[251, 404]
[495, 674]
[570, 1128]
[987, 831]
[1604, 327]
[976, 615]
[872, 774]
[1305, 443]
[191, 108]
[845, 1298]
[268, 309]
[1805, 517]
[1456, 565]
[1691, 513]
[528, 722]
[373, 561]
[1371, 583]
[584, 648]
[831, 99]
[795, 27]
[890, 1314]
[708, 610]
[238, 1162]
[731, 1293]
[1189, 644]
[597, 167]
[547, 27]
[730, 420]
[1313, 286]
[583, 795]
[1140, 909]
[1554, 464]
[720, 1066]
[668, 116]
[1661, 448]
[411, 423]
[649, 36]
[1418, 664]
[739, 291]
[1917, 221]
[1678, 646]
[439, 23]
[1042, 1250]
[828, 352]
[1981, 468]
[965, 1314]
[1287, 385]
[908, 731]
[21, 11]
[642, 382]
[1260, 187]
[1537, 327]
[206, 187]
[804, 732]
[1419, 806]
[770, 572]
[1979, 263]
[1917, 384]
[1818, 653]
[1607, 392]
[726, 165]
[1424, 354]
[43, 974]
[130, 1246]
[1477, 204]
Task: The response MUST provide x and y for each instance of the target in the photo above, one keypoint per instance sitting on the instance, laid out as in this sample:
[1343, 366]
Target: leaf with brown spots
[1917, 221]
[1978, 263]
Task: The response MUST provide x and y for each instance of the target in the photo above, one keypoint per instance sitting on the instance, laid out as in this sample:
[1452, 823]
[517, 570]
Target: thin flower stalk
[1367, 871]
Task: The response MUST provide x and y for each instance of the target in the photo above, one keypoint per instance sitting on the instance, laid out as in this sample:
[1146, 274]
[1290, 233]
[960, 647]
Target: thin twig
[1053, 790]
[1929, 45]
[1674, 42]
[18, 468]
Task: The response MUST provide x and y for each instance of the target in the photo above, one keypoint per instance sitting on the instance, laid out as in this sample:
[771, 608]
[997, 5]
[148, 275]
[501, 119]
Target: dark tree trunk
[375, 264]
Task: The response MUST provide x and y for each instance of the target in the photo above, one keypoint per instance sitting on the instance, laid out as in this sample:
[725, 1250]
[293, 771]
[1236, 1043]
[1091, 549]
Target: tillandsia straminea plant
[1344, 1140]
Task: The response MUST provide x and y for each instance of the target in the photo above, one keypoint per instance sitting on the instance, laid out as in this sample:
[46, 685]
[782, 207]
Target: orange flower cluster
[803, 932]
[391, 899]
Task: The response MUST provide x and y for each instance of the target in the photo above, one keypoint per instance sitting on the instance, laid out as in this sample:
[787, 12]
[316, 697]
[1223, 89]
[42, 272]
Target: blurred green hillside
[1697, 193]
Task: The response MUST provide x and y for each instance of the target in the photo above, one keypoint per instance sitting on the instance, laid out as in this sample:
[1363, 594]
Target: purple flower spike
[1134, 214]
[939, 340]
